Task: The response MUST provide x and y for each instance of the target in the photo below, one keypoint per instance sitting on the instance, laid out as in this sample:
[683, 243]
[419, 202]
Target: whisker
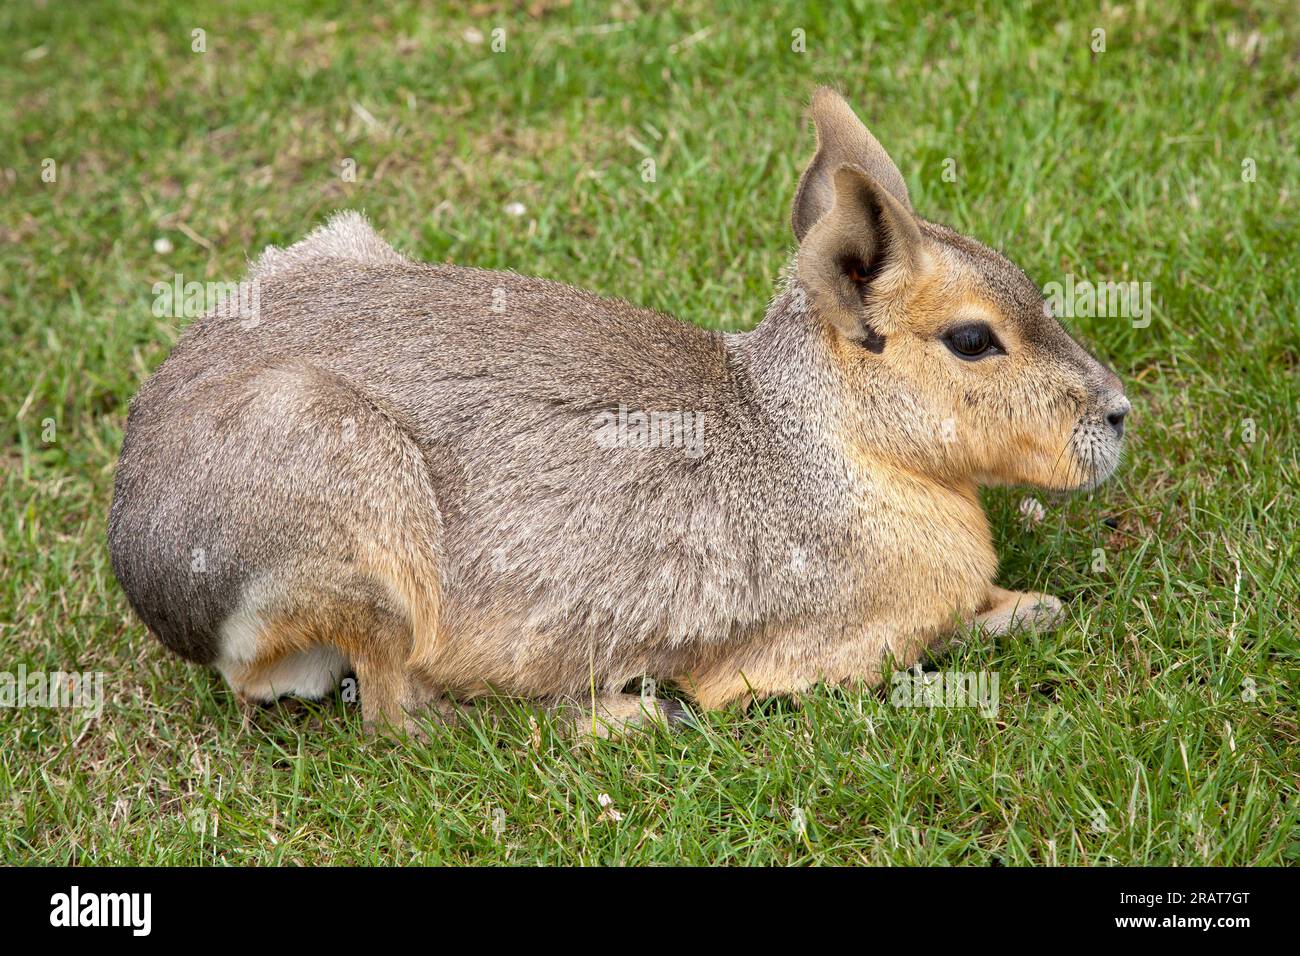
[1052, 473]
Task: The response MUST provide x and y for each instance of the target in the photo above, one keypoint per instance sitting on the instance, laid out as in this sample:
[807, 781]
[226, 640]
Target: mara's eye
[972, 341]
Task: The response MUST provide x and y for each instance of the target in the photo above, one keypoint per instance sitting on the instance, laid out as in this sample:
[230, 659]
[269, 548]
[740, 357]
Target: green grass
[1159, 725]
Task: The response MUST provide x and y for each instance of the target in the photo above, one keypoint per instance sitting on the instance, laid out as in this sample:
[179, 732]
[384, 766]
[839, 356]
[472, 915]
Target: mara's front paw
[615, 714]
[1009, 611]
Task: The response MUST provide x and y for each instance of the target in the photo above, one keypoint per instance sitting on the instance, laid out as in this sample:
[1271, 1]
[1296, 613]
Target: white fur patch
[239, 635]
[311, 673]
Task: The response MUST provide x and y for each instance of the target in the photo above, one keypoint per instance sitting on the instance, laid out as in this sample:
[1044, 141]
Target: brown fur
[396, 468]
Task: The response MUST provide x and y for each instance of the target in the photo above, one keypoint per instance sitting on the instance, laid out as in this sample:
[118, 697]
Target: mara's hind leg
[332, 520]
[300, 640]
[395, 697]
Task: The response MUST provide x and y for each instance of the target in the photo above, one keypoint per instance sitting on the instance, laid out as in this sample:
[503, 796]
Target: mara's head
[953, 362]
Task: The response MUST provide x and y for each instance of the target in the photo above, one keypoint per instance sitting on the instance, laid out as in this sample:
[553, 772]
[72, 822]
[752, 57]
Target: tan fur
[396, 469]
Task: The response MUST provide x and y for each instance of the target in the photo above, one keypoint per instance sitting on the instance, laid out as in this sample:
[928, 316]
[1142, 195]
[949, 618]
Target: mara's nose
[1115, 414]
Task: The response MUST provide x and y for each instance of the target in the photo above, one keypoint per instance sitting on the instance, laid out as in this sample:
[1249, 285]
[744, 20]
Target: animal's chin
[1090, 484]
[1086, 463]
[1095, 468]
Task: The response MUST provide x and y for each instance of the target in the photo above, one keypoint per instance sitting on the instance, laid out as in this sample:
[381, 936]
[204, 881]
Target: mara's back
[432, 339]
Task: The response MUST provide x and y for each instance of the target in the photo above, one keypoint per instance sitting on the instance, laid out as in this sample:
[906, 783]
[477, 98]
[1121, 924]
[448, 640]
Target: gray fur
[447, 417]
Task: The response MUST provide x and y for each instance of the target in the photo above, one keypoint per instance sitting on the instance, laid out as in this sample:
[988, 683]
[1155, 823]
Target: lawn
[1158, 725]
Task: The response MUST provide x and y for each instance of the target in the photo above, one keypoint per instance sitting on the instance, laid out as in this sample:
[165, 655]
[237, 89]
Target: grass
[1158, 726]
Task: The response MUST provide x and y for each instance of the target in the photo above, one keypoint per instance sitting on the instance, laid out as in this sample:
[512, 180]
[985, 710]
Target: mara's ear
[864, 235]
[841, 138]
